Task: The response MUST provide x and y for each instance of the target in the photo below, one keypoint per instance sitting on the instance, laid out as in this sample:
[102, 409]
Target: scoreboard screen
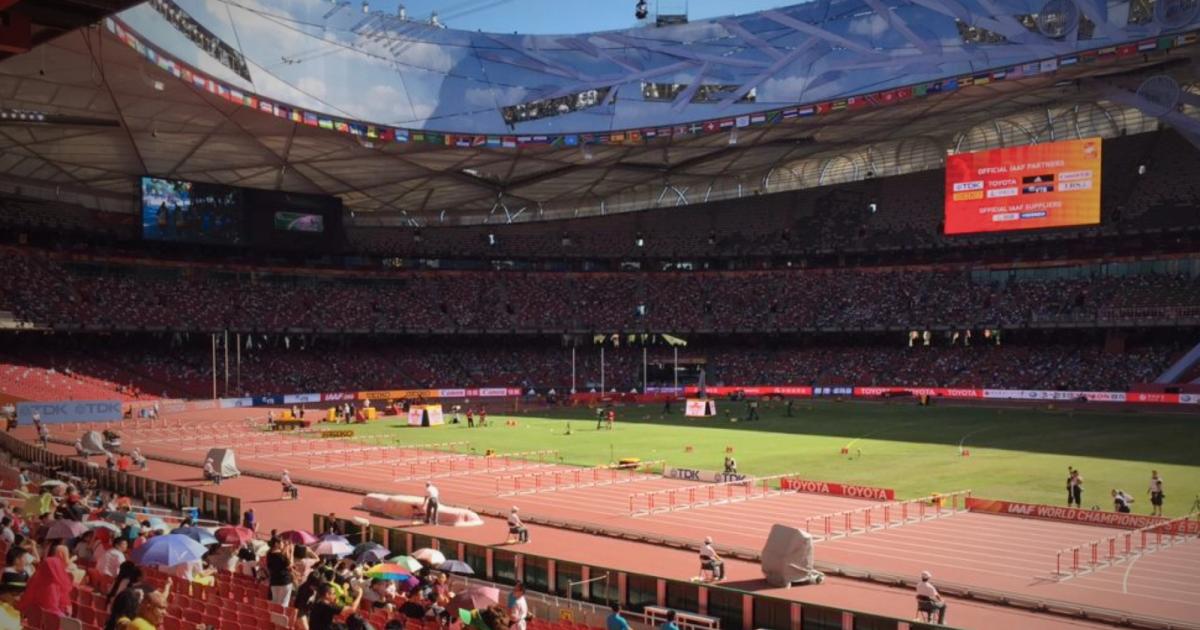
[1021, 188]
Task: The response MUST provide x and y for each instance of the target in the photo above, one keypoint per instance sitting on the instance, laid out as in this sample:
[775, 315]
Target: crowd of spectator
[292, 363]
[44, 289]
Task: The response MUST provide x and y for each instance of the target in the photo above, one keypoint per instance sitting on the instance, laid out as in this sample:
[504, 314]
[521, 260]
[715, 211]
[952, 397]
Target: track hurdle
[1105, 552]
[456, 465]
[705, 494]
[871, 518]
[556, 480]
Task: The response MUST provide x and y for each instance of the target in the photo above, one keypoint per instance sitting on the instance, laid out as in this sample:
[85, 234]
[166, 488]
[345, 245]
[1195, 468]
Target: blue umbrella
[169, 550]
[370, 554]
[198, 534]
[457, 567]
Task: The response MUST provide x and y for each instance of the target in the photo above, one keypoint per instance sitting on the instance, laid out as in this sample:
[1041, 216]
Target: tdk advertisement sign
[58, 412]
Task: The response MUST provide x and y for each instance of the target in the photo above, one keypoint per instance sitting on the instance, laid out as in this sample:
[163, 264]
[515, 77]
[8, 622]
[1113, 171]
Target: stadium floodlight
[401, 12]
[872, 207]
[641, 10]
[366, 6]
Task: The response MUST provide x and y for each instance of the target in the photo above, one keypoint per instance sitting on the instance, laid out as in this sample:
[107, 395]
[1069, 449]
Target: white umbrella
[431, 557]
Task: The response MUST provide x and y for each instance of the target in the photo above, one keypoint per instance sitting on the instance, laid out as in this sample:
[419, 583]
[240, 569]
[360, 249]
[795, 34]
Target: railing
[1105, 552]
[556, 480]
[705, 494]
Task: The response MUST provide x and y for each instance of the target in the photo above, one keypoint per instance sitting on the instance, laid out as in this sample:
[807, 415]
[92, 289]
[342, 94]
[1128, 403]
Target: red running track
[983, 551]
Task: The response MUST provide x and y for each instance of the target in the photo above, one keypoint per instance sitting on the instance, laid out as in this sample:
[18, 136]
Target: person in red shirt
[610, 418]
[470, 418]
[483, 416]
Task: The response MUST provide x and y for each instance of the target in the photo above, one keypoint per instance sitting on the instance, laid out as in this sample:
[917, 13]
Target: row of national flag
[384, 133]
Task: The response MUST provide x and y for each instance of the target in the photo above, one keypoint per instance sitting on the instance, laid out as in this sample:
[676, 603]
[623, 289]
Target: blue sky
[563, 16]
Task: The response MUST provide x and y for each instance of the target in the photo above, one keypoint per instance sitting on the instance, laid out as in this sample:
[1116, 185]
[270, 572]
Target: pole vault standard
[676, 370]
[214, 363]
[573, 390]
[239, 363]
[602, 390]
[226, 362]
[645, 373]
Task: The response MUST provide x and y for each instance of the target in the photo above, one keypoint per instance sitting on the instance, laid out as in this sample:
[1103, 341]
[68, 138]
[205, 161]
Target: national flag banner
[570, 140]
[341, 126]
[1126, 50]
[806, 111]
[740, 121]
[999, 75]
[774, 116]
[856, 102]
[1186, 39]
[601, 138]
[1106, 51]
[509, 142]
[711, 126]
[358, 129]
[1068, 61]
[493, 141]
[372, 132]
[479, 141]
[923, 89]
[251, 102]
[791, 113]
[982, 79]
[222, 91]
[1166, 43]
[187, 75]
[433, 137]
[904, 93]
[616, 137]
[1088, 56]
[949, 85]
[266, 106]
[401, 135]
[540, 140]
[728, 123]
[664, 131]
[649, 133]
[416, 136]
[325, 123]
[1149, 44]
[298, 116]
[696, 128]
[460, 141]
[634, 137]
[886, 98]
[1048, 65]
[758, 119]
[966, 81]
[198, 81]
[236, 96]
[824, 108]
[839, 105]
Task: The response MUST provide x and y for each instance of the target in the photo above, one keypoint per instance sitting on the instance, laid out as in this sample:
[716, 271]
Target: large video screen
[177, 210]
[1021, 188]
[299, 222]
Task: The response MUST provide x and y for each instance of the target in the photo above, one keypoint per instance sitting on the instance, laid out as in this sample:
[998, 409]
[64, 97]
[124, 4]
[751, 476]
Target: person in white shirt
[518, 611]
[431, 503]
[1121, 501]
[929, 599]
[709, 560]
[1156, 493]
[110, 561]
[137, 458]
[516, 528]
[289, 489]
[210, 472]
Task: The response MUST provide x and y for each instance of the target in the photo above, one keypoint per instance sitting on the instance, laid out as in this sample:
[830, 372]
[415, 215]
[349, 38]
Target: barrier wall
[737, 609]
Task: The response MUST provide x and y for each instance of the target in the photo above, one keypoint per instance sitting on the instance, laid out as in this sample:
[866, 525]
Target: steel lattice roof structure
[407, 121]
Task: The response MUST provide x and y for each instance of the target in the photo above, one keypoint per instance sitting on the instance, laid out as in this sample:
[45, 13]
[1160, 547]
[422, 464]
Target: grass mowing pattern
[1019, 454]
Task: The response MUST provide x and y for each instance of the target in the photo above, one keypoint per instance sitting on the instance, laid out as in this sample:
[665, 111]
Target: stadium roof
[116, 103]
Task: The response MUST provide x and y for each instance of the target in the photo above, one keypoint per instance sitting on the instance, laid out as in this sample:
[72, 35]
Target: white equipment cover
[224, 462]
[417, 413]
[787, 557]
[700, 407]
[93, 443]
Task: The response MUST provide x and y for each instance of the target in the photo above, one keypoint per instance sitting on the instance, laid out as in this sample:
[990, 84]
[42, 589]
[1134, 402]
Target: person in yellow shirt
[151, 613]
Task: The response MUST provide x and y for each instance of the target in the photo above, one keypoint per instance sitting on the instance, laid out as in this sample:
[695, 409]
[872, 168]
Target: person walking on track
[1156, 494]
[431, 503]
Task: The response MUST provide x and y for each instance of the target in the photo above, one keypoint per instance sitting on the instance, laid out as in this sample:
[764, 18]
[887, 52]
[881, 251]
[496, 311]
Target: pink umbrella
[298, 536]
[64, 529]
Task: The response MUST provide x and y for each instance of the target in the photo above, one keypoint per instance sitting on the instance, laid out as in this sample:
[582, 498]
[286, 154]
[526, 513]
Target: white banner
[236, 403]
[699, 408]
[292, 399]
[1189, 399]
[417, 413]
[1041, 394]
[703, 476]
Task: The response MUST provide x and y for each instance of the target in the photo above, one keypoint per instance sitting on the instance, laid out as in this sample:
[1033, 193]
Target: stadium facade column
[585, 575]
[702, 600]
[660, 592]
[551, 574]
[622, 588]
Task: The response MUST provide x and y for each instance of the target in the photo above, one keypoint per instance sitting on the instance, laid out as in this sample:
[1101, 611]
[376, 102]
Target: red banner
[1152, 397]
[946, 392]
[1070, 515]
[837, 489]
[753, 390]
